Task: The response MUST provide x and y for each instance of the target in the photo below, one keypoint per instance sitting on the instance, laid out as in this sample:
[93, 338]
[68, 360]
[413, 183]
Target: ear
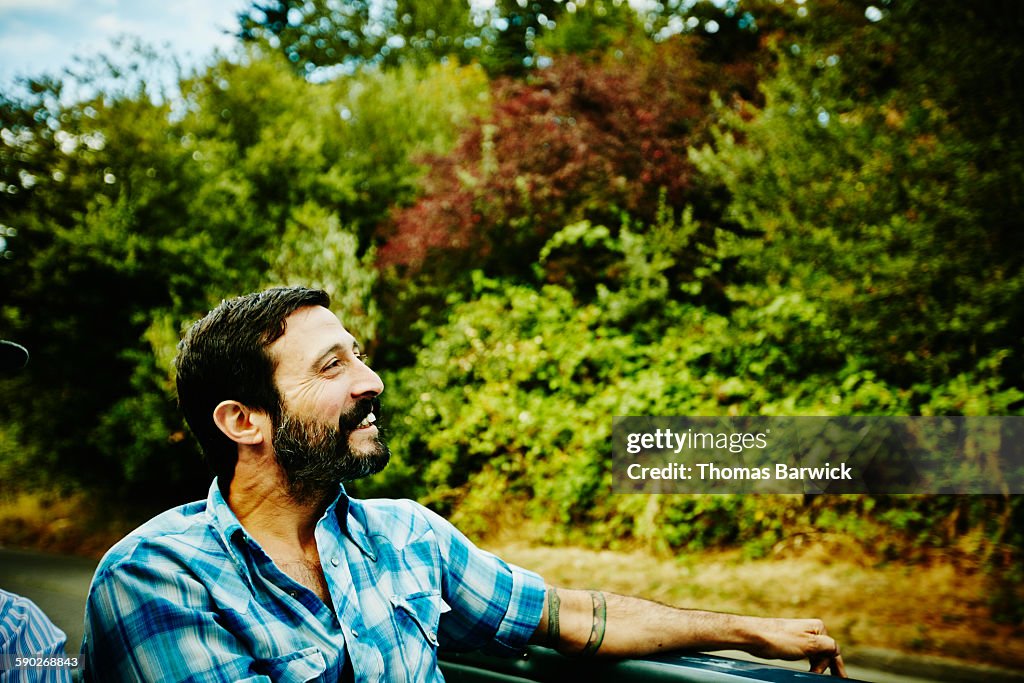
[240, 423]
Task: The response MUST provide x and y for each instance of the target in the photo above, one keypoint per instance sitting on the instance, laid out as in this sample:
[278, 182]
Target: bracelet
[598, 625]
[554, 603]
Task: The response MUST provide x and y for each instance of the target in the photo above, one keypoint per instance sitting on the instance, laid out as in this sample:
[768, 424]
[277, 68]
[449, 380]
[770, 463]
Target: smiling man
[280, 576]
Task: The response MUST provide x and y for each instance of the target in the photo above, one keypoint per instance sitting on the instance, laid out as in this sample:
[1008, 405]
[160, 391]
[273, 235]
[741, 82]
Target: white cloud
[27, 51]
[21, 43]
[204, 24]
[37, 5]
[44, 36]
[111, 25]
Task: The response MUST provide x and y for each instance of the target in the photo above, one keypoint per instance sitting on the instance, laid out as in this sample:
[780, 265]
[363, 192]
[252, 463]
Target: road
[59, 585]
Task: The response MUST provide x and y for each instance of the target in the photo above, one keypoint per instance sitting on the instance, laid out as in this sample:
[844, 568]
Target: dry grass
[67, 524]
[934, 608]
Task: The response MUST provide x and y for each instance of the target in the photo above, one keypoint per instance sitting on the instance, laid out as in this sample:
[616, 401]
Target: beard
[317, 457]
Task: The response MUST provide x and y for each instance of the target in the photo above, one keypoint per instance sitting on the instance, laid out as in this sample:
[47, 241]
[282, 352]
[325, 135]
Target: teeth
[368, 420]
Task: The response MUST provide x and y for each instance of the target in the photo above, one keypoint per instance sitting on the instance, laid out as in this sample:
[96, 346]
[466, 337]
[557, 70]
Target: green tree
[324, 35]
[131, 215]
[869, 188]
[98, 189]
[316, 251]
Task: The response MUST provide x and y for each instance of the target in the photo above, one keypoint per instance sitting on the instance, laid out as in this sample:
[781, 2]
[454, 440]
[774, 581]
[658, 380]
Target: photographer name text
[670, 441]
[709, 471]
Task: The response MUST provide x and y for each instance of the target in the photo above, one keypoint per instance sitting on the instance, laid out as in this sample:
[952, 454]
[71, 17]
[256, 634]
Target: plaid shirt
[26, 632]
[190, 596]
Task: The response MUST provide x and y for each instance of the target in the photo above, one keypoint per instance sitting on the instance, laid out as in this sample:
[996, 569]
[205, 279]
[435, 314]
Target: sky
[42, 36]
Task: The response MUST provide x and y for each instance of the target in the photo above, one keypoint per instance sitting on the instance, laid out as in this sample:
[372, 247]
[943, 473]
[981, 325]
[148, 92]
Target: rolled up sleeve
[495, 606]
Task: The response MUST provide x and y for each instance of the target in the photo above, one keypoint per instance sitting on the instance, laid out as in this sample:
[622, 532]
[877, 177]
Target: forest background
[536, 215]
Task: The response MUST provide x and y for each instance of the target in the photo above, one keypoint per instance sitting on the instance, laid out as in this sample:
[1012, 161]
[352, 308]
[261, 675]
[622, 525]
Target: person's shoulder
[182, 532]
[18, 611]
[395, 509]
[400, 520]
[23, 624]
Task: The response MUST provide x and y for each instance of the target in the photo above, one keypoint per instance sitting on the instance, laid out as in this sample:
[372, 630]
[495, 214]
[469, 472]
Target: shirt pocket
[295, 667]
[423, 609]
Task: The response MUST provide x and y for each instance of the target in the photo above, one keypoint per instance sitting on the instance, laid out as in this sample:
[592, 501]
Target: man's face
[327, 432]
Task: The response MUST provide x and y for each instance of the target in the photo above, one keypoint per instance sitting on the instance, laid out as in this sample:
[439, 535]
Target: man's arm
[147, 621]
[577, 622]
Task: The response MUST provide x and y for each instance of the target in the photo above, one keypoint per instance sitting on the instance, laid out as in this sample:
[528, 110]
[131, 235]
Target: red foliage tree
[579, 140]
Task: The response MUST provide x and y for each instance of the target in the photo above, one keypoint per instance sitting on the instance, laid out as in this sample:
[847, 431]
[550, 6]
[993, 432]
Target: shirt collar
[222, 517]
[347, 511]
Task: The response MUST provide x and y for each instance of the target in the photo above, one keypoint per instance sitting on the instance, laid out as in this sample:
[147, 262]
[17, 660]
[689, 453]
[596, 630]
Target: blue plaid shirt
[190, 596]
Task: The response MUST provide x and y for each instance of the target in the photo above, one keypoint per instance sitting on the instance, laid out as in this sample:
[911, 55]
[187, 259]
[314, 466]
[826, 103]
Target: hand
[799, 639]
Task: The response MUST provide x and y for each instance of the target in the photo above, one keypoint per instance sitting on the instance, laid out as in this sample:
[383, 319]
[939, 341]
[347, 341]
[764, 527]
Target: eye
[335, 363]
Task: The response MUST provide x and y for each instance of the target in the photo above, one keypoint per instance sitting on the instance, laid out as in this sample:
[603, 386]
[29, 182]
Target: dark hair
[224, 357]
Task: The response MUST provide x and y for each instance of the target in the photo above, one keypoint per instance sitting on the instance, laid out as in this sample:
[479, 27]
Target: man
[279, 575]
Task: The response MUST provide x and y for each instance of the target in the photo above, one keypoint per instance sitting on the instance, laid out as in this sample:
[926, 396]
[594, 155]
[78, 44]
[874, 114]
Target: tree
[868, 185]
[130, 216]
[508, 37]
[97, 189]
[511, 49]
[322, 35]
[598, 140]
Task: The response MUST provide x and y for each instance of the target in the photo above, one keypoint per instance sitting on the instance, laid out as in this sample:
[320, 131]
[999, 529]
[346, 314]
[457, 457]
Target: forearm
[637, 627]
[588, 623]
[634, 627]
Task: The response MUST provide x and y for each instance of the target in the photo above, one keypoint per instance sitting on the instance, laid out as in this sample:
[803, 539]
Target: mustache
[362, 408]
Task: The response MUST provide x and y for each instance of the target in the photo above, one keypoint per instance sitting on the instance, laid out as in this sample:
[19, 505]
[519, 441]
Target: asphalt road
[59, 585]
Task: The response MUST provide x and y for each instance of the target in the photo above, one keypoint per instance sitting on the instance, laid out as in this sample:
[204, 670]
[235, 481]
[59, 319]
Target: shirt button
[335, 561]
[355, 634]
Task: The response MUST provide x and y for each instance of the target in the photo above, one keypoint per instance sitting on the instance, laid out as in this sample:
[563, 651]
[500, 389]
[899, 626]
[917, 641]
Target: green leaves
[871, 208]
[317, 252]
[131, 218]
[762, 211]
[851, 269]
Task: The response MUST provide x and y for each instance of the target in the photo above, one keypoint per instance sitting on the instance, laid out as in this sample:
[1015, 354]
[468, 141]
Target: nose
[367, 384]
